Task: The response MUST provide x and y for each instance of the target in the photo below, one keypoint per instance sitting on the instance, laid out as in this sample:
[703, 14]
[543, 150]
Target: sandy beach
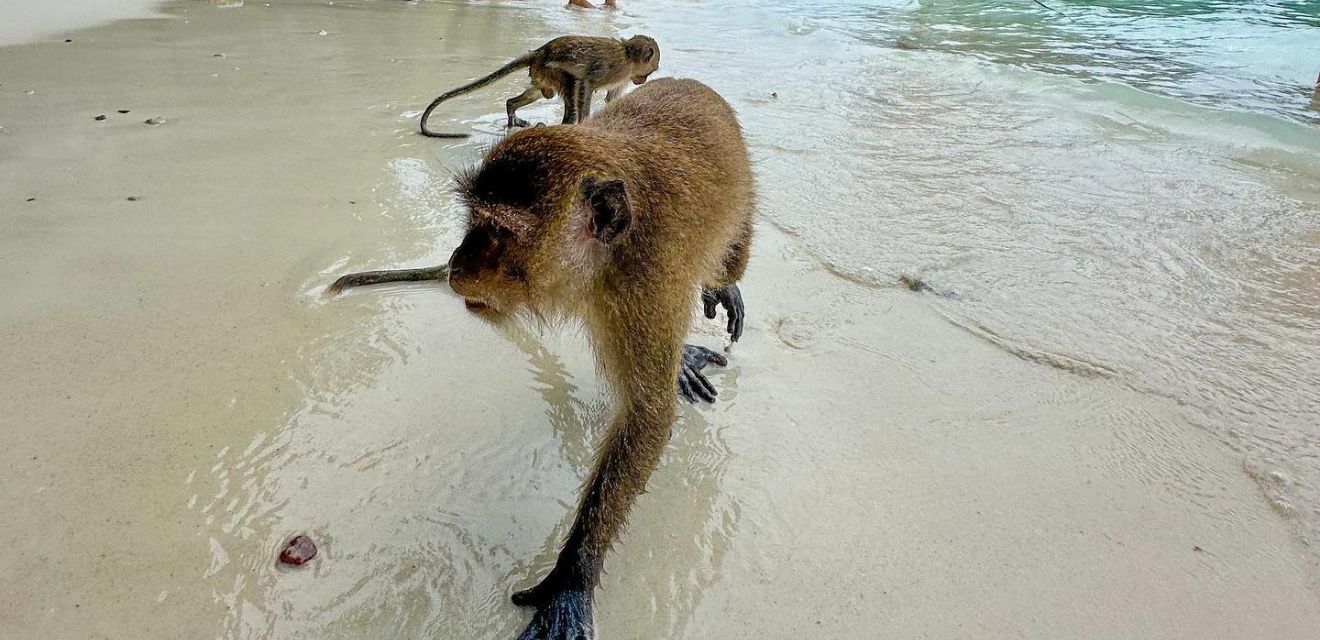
[180, 398]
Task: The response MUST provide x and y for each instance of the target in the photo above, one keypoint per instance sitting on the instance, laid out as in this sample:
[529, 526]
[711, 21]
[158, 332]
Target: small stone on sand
[322, 32]
[155, 120]
[99, 118]
[133, 198]
[298, 551]
[31, 199]
[123, 111]
[68, 39]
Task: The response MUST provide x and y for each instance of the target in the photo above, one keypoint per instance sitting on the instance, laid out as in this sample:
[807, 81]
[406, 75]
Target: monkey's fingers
[733, 306]
[698, 357]
[708, 300]
[565, 616]
[694, 387]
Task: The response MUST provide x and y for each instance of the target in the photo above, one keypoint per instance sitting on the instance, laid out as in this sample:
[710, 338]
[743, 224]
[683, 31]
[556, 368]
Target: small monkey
[574, 67]
[616, 222]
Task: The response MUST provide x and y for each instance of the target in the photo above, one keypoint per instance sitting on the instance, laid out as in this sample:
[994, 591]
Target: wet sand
[180, 399]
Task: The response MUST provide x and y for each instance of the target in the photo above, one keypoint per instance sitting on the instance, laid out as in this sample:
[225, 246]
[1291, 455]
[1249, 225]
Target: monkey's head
[644, 54]
[543, 217]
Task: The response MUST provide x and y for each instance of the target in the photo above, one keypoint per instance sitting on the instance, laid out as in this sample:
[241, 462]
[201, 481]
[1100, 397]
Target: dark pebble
[133, 198]
[123, 111]
[68, 39]
[298, 551]
[99, 118]
[31, 199]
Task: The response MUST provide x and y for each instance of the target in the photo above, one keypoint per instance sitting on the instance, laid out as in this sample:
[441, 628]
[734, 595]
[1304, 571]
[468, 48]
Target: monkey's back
[581, 56]
[692, 177]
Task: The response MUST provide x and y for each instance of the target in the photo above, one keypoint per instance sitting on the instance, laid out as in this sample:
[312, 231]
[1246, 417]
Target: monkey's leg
[724, 291]
[569, 93]
[632, 447]
[584, 99]
[692, 384]
[390, 275]
[613, 94]
[517, 102]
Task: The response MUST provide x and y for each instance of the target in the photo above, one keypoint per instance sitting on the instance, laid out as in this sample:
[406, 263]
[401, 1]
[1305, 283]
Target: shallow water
[1133, 263]
[1129, 189]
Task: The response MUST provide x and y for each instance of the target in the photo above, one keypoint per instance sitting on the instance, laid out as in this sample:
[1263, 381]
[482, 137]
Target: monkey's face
[645, 54]
[489, 270]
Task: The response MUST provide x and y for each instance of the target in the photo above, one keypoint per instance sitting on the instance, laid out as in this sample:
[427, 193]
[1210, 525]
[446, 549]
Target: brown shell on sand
[298, 551]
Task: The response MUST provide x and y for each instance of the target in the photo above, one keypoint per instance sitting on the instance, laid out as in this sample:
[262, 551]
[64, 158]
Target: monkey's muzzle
[475, 306]
[638, 79]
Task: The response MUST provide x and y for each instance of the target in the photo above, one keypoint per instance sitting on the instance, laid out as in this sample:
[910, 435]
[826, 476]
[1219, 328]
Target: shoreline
[32, 21]
[182, 400]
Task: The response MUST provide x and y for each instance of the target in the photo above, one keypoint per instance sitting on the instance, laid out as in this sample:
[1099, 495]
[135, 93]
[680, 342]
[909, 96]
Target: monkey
[693, 386]
[574, 67]
[614, 222]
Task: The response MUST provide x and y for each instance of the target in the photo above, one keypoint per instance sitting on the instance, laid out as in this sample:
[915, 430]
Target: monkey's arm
[645, 365]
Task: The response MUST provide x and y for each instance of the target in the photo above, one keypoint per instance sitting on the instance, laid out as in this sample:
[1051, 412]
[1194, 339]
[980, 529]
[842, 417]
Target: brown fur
[538, 244]
[574, 67]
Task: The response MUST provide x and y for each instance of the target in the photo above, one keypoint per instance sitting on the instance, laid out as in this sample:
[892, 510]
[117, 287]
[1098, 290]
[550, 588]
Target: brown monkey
[575, 67]
[617, 222]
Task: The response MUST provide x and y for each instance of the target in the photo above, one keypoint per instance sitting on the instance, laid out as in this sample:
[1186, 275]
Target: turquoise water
[1259, 56]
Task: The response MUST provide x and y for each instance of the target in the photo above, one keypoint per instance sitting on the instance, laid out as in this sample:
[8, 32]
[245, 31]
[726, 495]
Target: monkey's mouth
[475, 306]
[638, 79]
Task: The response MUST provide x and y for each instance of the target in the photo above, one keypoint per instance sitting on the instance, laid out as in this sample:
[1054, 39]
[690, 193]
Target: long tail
[393, 275]
[475, 84]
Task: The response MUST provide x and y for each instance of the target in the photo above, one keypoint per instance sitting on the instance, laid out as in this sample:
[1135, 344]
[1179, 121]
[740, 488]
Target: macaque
[574, 67]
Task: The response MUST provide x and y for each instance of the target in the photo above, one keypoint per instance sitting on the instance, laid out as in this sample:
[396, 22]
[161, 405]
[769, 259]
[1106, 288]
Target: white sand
[36, 20]
[179, 399]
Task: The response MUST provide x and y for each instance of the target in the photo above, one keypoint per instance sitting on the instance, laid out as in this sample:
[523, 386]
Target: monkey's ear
[611, 213]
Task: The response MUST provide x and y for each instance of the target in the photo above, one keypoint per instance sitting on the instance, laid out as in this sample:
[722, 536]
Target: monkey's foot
[692, 384]
[560, 615]
[518, 122]
[730, 298]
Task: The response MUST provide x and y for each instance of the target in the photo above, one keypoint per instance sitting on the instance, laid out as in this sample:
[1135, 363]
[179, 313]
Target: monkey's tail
[505, 70]
[392, 275]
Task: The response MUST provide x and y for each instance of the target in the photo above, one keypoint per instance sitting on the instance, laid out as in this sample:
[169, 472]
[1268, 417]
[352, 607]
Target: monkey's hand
[731, 299]
[692, 384]
[564, 614]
